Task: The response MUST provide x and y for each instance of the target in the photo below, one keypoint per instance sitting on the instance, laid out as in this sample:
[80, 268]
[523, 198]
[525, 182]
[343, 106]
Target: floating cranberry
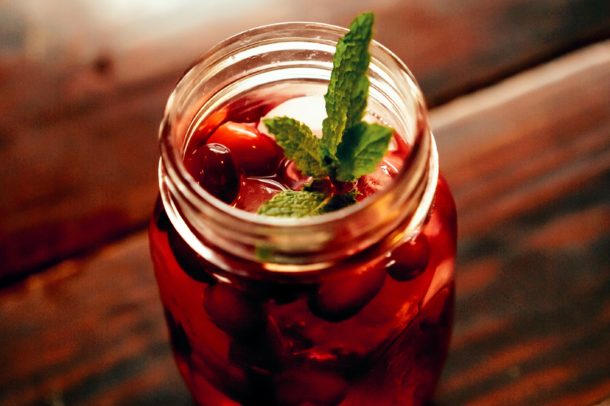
[410, 259]
[256, 154]
[305, 386]
[190, 262]
[344, 295]
[233, 311]
[213, 168]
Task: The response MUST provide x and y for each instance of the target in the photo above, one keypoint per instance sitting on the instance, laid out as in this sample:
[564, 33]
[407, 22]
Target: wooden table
[520, 97]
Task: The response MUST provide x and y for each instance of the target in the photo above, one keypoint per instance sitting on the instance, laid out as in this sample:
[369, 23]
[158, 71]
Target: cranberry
[213, 168]
[190, 262]
[411, 259]
[233, 311]
[306, 386]
[256, 154]
[254, 192]
[343, 296]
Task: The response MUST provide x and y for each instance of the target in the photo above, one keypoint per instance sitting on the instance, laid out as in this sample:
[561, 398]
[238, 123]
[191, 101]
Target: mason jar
[352, 307]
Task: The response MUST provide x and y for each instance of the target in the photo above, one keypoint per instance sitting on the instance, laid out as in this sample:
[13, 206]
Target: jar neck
[279, 62]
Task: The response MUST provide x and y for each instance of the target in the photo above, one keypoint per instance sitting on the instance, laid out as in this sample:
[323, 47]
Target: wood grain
[84, 84]
[88, 332]
[519, 144]
[533, 303]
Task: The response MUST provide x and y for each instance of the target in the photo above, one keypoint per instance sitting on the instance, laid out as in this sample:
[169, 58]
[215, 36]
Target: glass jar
[352, 307]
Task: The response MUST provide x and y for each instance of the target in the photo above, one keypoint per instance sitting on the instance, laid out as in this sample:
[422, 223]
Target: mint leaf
[290, 203]
[299, 144]
[361, 150]
[347, 93]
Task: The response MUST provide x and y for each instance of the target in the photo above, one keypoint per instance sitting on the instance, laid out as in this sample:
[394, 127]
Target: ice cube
[310, 110]
[383, 175]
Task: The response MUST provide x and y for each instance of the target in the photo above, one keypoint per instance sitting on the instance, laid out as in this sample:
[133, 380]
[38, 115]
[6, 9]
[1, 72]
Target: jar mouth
[183, 193]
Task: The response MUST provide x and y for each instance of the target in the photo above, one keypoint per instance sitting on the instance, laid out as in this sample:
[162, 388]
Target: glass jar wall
[350, 307]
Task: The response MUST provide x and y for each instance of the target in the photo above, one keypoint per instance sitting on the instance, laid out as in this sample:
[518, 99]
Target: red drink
[350, 309]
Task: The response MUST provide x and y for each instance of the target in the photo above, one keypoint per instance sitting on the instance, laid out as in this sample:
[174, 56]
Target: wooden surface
[528, 158]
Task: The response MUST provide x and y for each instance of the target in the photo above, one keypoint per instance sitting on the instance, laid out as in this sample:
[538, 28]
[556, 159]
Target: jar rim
[171, 163]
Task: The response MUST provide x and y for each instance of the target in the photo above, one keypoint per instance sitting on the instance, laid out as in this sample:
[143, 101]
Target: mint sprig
[349, 147]
[290, 203]
[348, 88]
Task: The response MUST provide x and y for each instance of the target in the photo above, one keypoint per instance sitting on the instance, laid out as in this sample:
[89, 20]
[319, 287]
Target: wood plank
[78, 146]
[533, 303]
[553, 141]
[87, 328]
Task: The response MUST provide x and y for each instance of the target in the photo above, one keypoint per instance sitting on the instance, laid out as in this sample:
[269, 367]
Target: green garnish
[291, 203]
[299, 145]
[349, 147]
[348, 88]
[362, 149]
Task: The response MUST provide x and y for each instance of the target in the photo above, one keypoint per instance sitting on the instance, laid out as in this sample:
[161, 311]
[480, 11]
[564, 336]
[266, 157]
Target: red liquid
[373, 334]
